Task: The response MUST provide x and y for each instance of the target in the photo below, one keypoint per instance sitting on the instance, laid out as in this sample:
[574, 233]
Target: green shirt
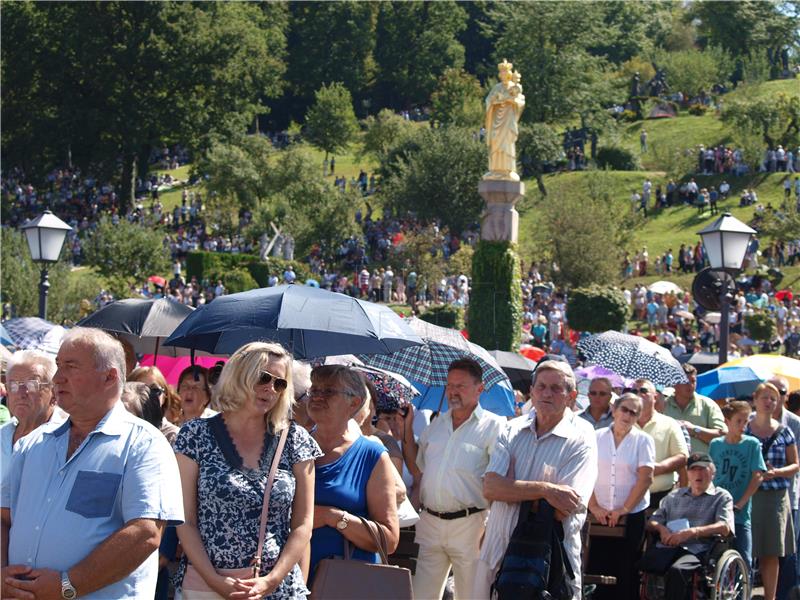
[701, 411]
[735, 466]
[5, 416]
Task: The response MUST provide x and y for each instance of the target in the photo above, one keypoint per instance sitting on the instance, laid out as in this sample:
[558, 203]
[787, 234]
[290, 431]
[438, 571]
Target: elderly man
[452, 454]
[598, 413]
[688, 518]
[700, 415]
[30, 399]
[670, 445]
[540, 456]
[86, 501]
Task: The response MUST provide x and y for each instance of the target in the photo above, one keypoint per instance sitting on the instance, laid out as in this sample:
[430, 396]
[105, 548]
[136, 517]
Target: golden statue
[504, 106]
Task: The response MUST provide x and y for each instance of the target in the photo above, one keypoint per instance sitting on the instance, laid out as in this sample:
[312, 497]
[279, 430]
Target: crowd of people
[245, 479]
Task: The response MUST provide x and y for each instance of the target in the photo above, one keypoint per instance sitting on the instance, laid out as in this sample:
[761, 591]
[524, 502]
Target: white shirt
[617, 467]
[565, 456]
[453, 462]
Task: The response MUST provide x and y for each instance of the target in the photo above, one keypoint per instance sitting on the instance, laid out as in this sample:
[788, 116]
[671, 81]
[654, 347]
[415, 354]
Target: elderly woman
[355, 477]
[31, 400]
[195, 394]
[626, 459]
[224, 463]
[169, 400]
[773, 533]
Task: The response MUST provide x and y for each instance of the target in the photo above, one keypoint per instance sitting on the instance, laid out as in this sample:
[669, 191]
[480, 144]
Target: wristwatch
[68, 591]
[341, 524]
[696, 430]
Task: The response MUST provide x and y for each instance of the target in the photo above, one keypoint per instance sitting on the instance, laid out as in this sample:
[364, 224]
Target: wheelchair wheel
[731, 579]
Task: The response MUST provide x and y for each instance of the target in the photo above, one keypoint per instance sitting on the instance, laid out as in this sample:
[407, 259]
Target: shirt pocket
[471, 459]
[93, 494]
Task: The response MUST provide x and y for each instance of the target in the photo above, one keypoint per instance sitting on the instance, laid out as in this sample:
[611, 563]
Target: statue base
[500, 220]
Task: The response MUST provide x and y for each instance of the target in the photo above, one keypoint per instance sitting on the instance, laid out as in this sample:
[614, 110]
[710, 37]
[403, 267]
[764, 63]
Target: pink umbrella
[171, 367]
[596, 371]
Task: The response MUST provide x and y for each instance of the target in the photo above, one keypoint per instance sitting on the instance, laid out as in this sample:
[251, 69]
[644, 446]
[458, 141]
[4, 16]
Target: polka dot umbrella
[632, 357]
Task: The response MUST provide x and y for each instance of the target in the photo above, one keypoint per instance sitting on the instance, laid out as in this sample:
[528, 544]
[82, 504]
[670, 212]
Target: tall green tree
[538, 145]
[693, 71]
[415, 43]
[384, 132]
[331, 123]
[457, 100]
[775, 118]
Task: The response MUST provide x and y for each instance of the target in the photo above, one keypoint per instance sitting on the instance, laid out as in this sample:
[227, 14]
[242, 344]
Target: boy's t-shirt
[735, 465]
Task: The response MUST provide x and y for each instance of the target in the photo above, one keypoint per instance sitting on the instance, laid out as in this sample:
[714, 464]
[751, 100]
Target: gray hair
[33, 358]
[107, 352]
[605, 380]
[301, 376]
[628, 396]
[560, 366]
[350, 379]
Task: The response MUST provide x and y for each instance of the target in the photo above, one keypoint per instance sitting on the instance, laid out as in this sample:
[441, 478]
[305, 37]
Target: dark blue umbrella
[309, 322]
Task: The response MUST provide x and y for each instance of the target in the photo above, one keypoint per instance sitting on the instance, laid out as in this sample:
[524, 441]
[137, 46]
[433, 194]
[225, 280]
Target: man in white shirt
[452, 454]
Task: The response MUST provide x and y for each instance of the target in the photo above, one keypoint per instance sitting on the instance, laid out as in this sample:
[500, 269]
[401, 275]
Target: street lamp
[726, 241]
[45, 236]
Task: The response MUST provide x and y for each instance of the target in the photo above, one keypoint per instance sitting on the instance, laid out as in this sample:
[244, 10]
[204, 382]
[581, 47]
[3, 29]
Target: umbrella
[394, 390]
[784, 295]
[532, 352]
[702, 361]
[312, 283]
[632, 357]
[712, 318]
[664, 287]
[427, 364]
[518, 368]
[773, 363]
[308, 321]
[159, 281]
[33, 333]
[141, 322]
[172, 366]
[596, 371]
[730, 382]
[684, 314]
[5, 337]
[498, 399]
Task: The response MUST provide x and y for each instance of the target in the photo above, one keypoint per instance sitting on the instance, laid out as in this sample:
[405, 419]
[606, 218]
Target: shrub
[217, 265]
[596, 308]
[445, 316]
[760, 326]
[617, 158]
[698, 110]
[628, 115]
[239, 280]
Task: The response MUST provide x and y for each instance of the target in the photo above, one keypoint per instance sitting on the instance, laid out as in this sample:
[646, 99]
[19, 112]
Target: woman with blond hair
[224, 463]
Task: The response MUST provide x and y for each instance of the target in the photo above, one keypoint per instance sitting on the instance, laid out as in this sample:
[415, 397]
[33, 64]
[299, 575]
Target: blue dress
[343, 484]
[230, 497]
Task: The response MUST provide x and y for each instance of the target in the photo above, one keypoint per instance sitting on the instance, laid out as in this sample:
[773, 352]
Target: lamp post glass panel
[726, 241]
[45, 236]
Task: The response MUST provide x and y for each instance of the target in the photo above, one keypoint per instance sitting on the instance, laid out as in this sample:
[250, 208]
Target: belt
[449, 516]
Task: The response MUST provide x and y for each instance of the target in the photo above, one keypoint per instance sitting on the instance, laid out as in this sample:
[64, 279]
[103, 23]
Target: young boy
[739, 470]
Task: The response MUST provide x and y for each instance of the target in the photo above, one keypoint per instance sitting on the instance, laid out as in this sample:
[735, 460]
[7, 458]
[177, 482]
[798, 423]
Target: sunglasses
[641, 390]
[278, 383]
[629, 411]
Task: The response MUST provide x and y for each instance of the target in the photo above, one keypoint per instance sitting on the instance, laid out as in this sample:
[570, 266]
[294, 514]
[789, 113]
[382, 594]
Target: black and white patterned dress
[230, 497]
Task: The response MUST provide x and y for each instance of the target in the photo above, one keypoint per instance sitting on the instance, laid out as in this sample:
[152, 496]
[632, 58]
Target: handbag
[407, 514]
[194, 587]
[347, 579]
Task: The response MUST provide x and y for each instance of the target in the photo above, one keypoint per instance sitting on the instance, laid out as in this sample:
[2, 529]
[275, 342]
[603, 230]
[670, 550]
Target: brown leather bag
[194, 587]
[347, 579]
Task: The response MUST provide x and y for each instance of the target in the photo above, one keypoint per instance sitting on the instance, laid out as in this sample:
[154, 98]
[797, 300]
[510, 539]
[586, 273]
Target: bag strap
[379, 537]
[262, 530]
[768, 444]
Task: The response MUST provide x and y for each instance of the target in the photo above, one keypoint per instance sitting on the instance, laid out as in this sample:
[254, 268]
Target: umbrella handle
[439, 408]
[155, 356]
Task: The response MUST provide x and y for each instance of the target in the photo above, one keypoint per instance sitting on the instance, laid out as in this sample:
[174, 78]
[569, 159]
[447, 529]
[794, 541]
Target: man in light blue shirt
[86, 501]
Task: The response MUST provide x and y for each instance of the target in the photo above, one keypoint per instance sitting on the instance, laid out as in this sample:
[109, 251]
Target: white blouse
[618, 465]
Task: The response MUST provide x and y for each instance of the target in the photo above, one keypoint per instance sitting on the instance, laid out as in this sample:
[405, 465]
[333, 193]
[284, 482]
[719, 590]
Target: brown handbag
[347, 579]
[194, 587]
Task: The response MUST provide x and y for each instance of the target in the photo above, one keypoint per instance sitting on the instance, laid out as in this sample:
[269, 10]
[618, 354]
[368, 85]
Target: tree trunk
[128, 191]
[540, 183]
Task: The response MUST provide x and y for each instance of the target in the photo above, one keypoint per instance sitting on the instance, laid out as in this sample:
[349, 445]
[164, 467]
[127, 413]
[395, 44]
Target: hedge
[617, 159]
[596, 308]
[495, 305]
[445, 316]
[218, 265]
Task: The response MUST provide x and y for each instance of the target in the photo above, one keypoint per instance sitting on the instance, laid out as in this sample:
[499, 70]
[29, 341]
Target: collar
[710, 491]
[674, 401]
[563, 429]
[112, 423]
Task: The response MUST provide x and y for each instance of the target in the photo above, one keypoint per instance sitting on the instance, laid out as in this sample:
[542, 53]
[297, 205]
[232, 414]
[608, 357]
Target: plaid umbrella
[633, 357]
[427, 364]
[394, 390]
[33, 333]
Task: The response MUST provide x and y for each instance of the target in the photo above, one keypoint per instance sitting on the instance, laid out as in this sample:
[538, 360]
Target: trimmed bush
[495, 306]
[239, 280]
[445, 316]
[698, 110]
[596, 308]
[217, 265]
[760, 326]
[617, 159]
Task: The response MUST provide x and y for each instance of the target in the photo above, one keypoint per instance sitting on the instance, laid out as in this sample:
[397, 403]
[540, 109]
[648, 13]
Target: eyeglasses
[596, 393]
[31, 386]
[783, 392]
[326, 393]
[641, 390]
[156, 390]
[278, 383]
[191, 387]
[629, 411]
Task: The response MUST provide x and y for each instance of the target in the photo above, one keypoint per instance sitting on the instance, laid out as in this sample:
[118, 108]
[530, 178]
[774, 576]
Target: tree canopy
[331, 122]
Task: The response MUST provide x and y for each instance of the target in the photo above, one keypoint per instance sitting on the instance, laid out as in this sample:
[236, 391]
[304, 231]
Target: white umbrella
[713, 318]
[664, 287]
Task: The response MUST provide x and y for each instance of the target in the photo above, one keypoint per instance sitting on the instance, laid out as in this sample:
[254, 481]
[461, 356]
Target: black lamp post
[726, 241]
[45, 236]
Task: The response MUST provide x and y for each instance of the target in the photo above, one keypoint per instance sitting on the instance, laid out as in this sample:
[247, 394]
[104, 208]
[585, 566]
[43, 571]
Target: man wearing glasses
[670, 445]
[30, 399]
[789, 568]
[598, 413]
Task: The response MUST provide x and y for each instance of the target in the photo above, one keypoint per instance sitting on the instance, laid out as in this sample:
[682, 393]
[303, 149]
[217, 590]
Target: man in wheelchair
[686, 524]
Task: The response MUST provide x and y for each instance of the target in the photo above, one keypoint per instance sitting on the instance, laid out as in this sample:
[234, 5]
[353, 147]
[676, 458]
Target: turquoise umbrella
[731, 382]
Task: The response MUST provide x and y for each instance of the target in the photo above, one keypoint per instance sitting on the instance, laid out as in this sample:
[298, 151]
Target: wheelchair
[722, 575]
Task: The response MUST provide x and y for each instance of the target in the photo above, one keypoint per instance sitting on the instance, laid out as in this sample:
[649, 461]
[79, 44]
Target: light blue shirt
[7, 431]
[61, 510]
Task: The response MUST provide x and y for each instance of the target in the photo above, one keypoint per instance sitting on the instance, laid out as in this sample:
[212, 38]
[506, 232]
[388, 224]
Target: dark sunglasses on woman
[266, 377]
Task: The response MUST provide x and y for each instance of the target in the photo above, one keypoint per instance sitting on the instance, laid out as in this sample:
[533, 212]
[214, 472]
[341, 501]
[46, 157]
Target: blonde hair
[172, 402]
[240, 375]
[762, 387]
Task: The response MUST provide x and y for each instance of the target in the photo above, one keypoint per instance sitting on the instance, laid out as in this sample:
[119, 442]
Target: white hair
[560, 366]
[33, 358]
[107, 351]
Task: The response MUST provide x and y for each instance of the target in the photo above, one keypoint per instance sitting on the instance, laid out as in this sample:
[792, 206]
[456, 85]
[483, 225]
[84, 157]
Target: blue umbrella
[498, 399]
[730, 382]
[308, 321]
[5, 337]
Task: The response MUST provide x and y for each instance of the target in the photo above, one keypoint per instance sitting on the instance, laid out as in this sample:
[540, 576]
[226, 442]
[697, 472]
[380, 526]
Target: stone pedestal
[500, 220]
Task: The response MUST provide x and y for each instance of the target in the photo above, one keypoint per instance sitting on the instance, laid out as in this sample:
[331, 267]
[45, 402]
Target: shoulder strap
[768, 444]
[262, 530]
